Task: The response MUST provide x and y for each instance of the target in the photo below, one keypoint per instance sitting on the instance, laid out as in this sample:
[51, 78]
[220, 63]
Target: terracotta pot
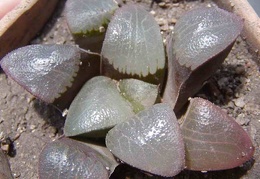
[22, 23]
[251, 31]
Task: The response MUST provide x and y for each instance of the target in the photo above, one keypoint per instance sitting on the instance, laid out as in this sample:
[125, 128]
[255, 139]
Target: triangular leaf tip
[150, 141]
[43, 70]
[68, 158]
[213, 140]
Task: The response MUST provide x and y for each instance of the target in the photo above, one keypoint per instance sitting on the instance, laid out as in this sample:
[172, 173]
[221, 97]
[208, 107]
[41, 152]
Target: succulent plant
[87, 21]
[99, 106]
[44, 70]
[140, 94]
[201, 41]
[67, 158]
[136, 131]
[150, 138]
[133, 41]
[213, 140]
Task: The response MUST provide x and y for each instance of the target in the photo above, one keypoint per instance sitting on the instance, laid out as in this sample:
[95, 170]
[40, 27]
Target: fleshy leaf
[139, 93]
[67, 158]
[108, 159]
[5, 171]
[97, 107]
[133, 44]
[43, 70]
[201, 41]
[88, 20]
[213, 140]
[150, 141]
[87, 16]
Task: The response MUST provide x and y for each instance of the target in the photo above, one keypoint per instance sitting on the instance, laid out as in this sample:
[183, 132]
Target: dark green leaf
[97, 107]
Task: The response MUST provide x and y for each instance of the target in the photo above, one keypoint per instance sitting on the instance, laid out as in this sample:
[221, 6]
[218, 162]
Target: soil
[30, 123]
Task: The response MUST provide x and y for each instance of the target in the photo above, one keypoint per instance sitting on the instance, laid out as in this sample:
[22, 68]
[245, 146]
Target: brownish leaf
[213, 140]
[150, 141]
[201, 41]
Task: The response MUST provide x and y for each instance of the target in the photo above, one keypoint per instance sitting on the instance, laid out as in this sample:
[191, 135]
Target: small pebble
[102, 29]
[173, 21]
[162, 4]
[240, 102]
[17, 175]
[5, 147]
[52, 131]
[171, 27]
[165, 27]
[153, 12]
[237, 95]
[161, 21]
[176, 5]
[240, 70]
[32, 127]
[242, 120]
[65, 112]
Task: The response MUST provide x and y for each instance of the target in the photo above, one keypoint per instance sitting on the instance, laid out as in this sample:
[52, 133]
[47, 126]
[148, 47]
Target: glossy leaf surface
[139, 93]
[97, 107]
[201, 41]
[107, 158]
[67, 158]
[213, 140]
[5, 171]
[150, 141]
[133, 43]
[43, 70]
[87, 16]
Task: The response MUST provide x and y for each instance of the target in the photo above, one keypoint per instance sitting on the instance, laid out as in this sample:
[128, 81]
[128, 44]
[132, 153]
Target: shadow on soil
[223, 86]
[50, 114]
[124, 171]
[53, 19]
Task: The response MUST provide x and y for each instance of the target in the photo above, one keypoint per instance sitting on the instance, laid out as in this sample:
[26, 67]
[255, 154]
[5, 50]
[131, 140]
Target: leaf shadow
[224, 85]
[58, 12]
[51, 115]
[125, 171]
